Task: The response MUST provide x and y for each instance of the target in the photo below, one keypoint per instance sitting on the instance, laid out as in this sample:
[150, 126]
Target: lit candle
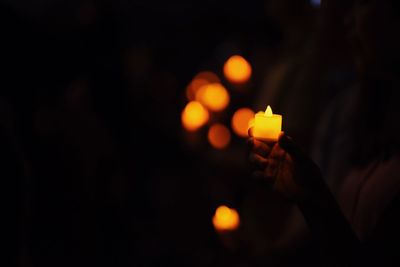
[266, 126]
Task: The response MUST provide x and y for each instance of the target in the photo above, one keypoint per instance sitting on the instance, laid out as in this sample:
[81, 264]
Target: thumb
[287, 144]
[250, 131]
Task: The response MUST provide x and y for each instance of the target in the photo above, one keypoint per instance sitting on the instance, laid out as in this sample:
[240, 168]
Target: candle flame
[268, 111]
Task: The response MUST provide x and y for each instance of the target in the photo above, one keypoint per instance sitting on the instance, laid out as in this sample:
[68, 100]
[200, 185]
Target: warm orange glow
[266, 125]
[194, 87]
[201, 79]
[214, 96]
[208, 76]
[194, 116]
[226, 219]
[241, 120]
[237, 69]
[219, 136]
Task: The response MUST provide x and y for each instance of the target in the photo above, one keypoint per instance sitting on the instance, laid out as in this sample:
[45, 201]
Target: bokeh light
[237, 69]
[194, 116]
[201, 79]
[193, 87]
[208, 76]
[226, 219]
[214, 96]
[219, 136]
[240, 121]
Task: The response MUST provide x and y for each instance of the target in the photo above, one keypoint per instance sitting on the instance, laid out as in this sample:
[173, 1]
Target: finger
[272, 168]
[261, 148]
[258, 160]
[250, 142]
[250, 131]
[277, 153]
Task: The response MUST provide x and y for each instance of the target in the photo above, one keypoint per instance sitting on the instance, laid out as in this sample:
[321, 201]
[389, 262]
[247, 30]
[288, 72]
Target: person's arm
[295, 175]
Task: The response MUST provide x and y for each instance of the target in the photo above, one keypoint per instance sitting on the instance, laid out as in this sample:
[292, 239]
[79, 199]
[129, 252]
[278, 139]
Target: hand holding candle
[266, 126]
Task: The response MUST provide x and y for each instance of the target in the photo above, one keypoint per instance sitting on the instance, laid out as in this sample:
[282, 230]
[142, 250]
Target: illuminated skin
[272, 163]
[373, 33]
[293, 174]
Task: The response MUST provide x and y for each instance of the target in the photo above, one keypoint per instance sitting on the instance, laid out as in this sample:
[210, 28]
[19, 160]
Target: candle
[266, 126]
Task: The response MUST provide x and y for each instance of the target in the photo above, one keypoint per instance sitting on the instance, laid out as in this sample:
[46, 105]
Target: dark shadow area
[101, 168]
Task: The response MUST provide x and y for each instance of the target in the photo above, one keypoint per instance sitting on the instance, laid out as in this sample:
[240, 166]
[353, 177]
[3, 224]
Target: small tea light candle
[266, 126]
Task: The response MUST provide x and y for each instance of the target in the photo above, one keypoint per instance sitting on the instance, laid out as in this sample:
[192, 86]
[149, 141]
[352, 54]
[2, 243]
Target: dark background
[101, 171]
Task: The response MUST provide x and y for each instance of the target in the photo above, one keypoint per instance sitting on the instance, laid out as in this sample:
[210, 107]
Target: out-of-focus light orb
[209, 76]
[219, 136]
[213, 96]
[237, 69]
[194, 87]
[240, 121]
[201, 79]
[194, 116]
[226, 219]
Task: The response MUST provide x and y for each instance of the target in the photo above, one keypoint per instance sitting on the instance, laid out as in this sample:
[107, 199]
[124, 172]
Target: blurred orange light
[194, 116]
[226, 219]
[219, 136]
[201, 79]
[208, 76]
[214, 96]
[237, 69]
[240, 121]
[194, 87]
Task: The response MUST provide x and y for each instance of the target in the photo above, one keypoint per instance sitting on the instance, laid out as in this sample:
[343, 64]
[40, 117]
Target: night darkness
[122, 142]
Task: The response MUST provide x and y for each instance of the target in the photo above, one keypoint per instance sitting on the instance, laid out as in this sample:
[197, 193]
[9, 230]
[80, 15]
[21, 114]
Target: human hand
[290, 171]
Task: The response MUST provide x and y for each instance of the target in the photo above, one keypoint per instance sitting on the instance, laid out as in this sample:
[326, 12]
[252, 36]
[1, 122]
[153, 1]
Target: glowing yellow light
[201, 79]
[240, 121]
[214, 96]
[226, 219]
[266, 125]
[268, 111]
[237, 69]
[219, 136]
[194, 116]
